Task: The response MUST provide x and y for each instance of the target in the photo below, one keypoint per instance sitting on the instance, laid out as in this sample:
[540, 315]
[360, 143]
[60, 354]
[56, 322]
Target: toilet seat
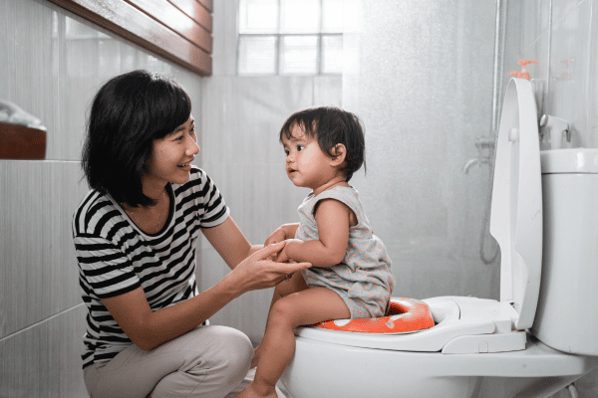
[463, 325]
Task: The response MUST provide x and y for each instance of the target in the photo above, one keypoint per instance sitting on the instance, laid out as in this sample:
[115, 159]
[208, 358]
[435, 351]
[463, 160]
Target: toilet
[541, 335]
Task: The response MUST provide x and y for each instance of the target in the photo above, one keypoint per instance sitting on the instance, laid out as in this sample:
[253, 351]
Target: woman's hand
[259, 272]
[283, 255]
[282, 233]
[275, 237]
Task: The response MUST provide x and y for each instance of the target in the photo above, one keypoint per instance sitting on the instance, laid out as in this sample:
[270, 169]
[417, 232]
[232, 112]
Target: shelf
[20, 142]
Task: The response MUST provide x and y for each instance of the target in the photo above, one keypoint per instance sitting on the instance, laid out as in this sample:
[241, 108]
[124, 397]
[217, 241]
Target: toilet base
[322, 369]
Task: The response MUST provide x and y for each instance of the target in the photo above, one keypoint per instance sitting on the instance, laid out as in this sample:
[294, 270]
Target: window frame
[279, 38]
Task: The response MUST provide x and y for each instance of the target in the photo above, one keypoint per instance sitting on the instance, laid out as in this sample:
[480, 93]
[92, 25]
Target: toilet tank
[566, 317]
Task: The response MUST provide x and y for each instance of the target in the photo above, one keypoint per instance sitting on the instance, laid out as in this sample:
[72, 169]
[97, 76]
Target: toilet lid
[516, 214]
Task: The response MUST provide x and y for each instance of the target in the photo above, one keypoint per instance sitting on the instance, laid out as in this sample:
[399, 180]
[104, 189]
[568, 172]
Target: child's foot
[253, 392]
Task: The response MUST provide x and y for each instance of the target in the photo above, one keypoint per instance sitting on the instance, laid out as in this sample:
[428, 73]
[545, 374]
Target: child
[351, 276]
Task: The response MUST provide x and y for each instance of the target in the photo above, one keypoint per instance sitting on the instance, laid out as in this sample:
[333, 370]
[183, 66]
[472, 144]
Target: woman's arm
[148, 329]
[229, 242]
[334, 220]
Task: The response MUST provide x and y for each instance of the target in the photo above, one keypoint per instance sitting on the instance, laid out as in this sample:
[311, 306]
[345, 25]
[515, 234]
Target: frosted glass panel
[299, 54]
[257, 55]
[300, 16]
[332, 54]
[421, 81]
[332, 16]
[258, 16]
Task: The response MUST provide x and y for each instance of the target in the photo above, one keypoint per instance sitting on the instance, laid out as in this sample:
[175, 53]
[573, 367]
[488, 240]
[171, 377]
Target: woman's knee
[233, 350]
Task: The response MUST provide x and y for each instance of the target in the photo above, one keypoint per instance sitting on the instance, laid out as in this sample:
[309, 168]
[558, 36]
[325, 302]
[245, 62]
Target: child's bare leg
[295, 284]
[278, 346]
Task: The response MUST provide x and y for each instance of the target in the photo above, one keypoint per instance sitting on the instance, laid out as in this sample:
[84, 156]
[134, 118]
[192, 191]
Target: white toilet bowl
[478, 347]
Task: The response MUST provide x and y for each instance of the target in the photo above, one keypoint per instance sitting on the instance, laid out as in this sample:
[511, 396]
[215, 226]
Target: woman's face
[172, 156]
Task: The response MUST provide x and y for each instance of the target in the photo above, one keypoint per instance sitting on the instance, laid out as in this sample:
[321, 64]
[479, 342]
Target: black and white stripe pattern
[116, 257]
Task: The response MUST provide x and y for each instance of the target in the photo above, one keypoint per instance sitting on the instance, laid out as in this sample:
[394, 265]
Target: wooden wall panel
[177, 21]
[160, 26]
[196, 11]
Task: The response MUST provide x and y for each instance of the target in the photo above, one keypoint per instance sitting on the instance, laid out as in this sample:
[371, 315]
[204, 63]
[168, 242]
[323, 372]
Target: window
[290, 37]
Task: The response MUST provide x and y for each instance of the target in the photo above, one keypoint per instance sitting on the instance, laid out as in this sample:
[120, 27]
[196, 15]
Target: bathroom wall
[562, 36]
[242, 116]
[52, 63]
[420, 75]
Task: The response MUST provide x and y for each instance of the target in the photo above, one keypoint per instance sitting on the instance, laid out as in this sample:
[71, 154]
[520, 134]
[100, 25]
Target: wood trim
[177, 21]
[207, 4]
[196, 11]
[20, 142]
[143, 28]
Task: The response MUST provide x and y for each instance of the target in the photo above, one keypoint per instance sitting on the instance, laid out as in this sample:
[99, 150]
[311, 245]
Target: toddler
[350, 276]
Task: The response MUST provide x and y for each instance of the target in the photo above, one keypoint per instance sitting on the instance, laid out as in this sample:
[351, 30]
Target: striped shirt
[116, 257]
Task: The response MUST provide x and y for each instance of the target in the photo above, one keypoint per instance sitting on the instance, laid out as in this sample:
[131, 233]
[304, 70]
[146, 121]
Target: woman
[135, 235]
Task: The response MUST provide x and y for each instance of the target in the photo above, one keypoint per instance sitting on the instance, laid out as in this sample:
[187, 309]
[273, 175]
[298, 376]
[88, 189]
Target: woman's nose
[193, 147]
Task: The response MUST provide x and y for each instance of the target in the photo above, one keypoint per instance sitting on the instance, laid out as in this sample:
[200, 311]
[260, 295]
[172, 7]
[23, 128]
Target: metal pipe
[499, 48]
[549, 57]
[499, 45]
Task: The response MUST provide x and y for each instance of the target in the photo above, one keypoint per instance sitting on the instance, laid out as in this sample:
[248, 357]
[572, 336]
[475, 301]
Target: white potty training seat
[471, 337]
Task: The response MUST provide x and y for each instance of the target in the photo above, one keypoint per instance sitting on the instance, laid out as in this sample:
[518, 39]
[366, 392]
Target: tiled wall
[241, 152]
[52, 63]
[562, 35]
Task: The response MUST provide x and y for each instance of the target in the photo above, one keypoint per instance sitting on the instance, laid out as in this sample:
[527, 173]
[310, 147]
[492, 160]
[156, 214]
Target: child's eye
[300, 147]
[286, 152]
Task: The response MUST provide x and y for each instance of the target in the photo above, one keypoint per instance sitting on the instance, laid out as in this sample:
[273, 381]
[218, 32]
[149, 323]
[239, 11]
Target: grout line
[39, 322]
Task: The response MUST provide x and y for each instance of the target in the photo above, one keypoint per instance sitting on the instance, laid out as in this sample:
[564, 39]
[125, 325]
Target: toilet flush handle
[557, 127]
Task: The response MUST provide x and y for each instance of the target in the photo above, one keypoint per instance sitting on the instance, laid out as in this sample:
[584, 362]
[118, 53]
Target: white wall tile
[568, 95]
[39, 273]
[44, 361]
[52, 63]
[242, 117]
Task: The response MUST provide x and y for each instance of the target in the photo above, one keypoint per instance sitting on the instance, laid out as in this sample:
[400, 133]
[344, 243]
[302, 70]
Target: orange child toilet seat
[404, 315]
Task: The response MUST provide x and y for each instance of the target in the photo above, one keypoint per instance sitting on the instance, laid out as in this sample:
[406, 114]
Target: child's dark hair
[331, 126]
[128, 113]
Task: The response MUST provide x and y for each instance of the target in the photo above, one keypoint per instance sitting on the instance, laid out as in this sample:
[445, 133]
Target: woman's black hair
[331, 126]
[128, 113]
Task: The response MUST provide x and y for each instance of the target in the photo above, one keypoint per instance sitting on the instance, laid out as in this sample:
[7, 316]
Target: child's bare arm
[334, 220]
[284, 232]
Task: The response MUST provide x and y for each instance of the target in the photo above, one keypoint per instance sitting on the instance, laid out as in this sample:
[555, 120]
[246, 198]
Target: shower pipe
[499, 46]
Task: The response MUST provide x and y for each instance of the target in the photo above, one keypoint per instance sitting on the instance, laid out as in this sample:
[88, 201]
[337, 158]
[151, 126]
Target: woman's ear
[339, 153]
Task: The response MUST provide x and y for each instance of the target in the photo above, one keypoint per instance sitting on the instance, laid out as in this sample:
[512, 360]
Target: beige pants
[209, 361]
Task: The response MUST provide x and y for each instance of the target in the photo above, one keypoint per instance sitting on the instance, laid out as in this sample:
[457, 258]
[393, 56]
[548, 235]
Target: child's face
[307, 165]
